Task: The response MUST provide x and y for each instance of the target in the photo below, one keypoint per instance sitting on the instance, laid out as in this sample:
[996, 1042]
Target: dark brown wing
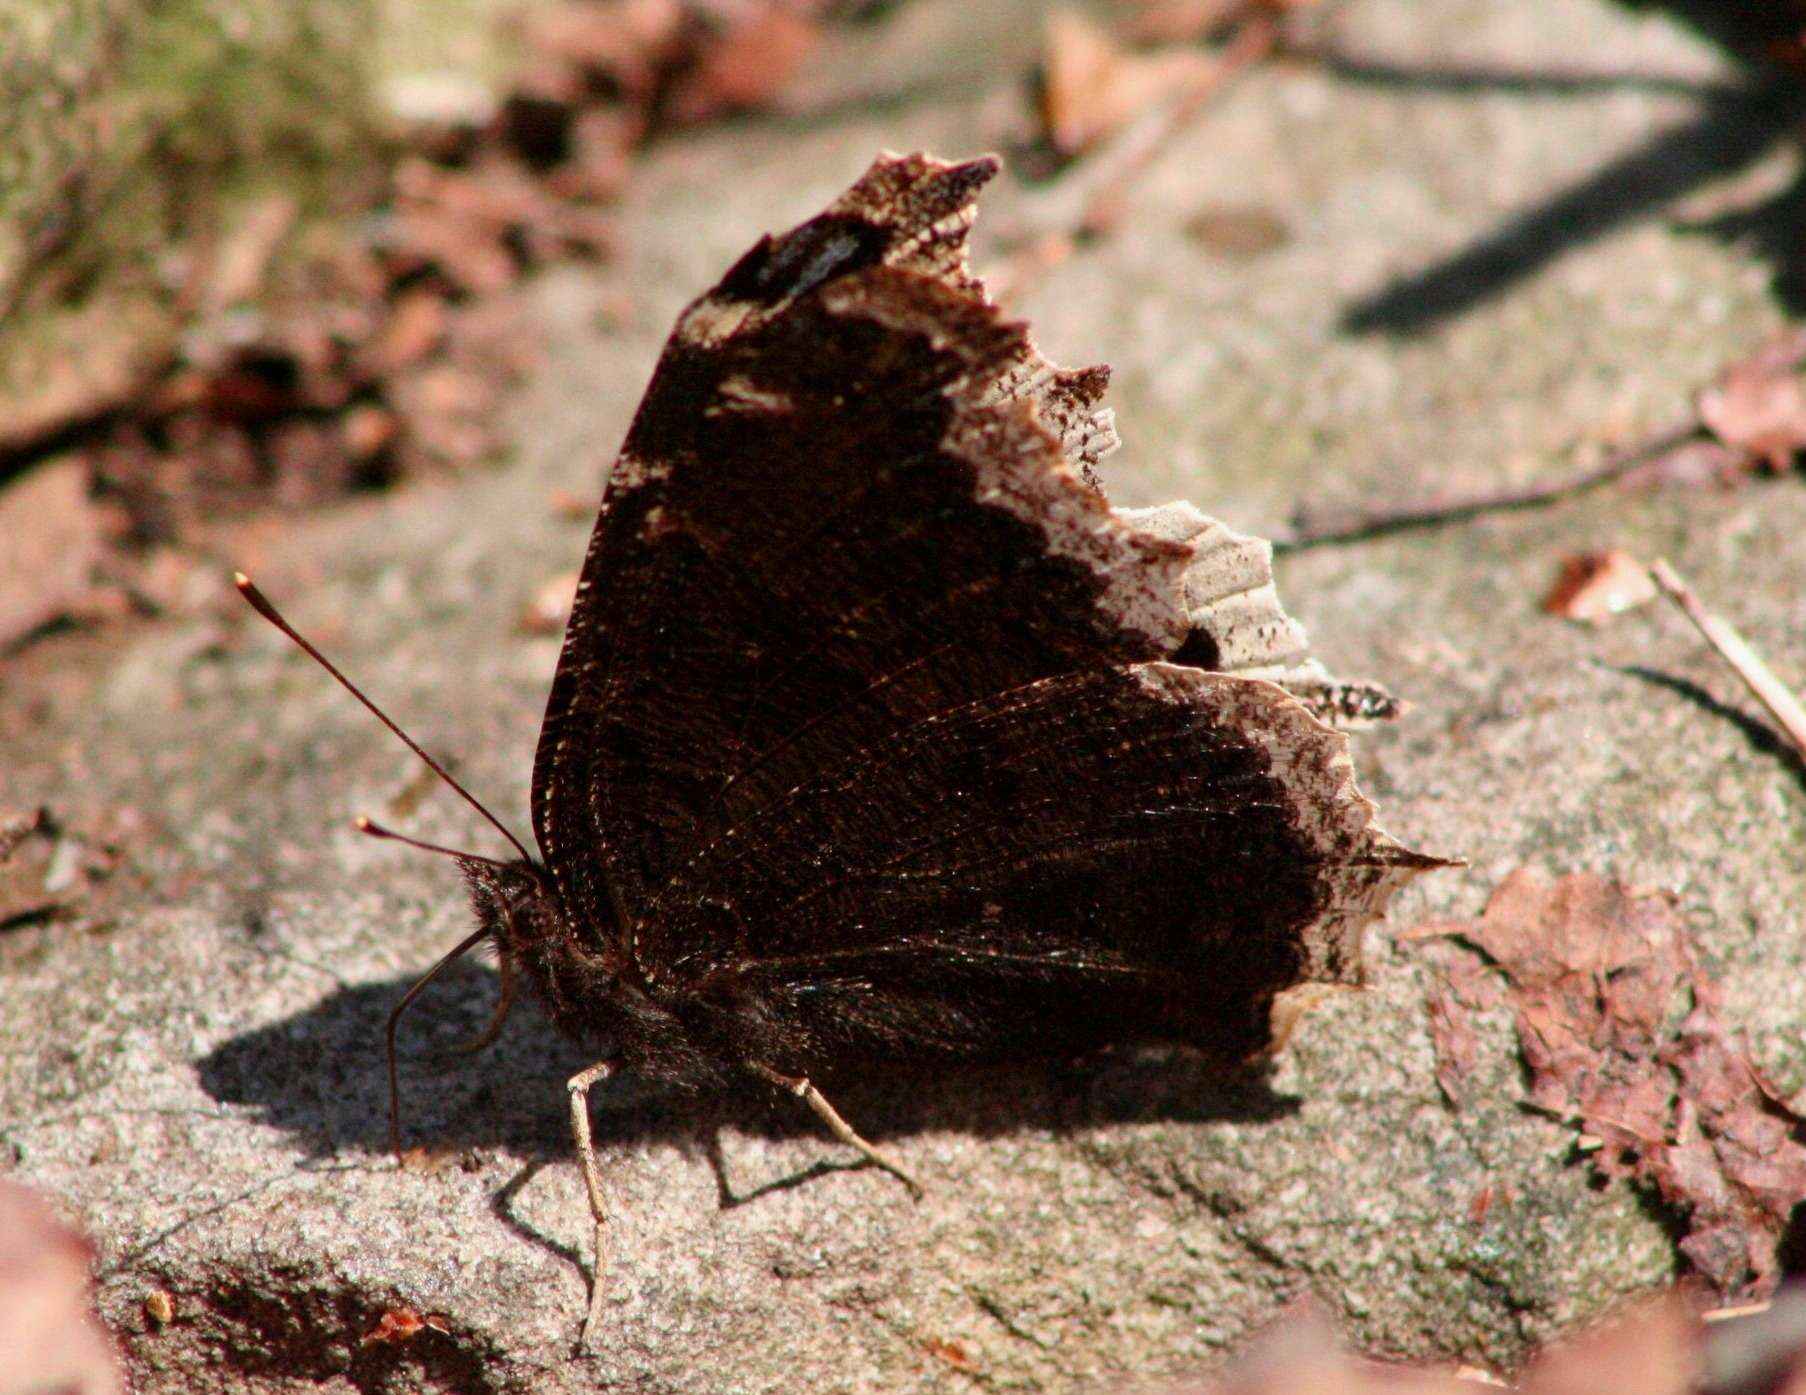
[853, 500]
[1137, 851]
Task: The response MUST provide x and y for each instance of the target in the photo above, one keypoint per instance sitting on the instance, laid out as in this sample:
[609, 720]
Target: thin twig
[1353, 525]
[1770, 691]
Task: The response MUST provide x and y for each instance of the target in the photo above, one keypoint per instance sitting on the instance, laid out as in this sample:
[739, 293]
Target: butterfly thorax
[591, 994]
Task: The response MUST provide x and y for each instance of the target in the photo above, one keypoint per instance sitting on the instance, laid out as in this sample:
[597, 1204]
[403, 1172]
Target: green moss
[129, 128]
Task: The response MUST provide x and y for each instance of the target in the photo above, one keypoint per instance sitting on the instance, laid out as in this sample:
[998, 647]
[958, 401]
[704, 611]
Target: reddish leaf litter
[1751, 420]
[1757, 409]
[400, 1324]
[46, 869]
[310, 360]
[1593, 587]
[949, 1353]
[1655, 1347]
[49, 1337]
[1621, 1030]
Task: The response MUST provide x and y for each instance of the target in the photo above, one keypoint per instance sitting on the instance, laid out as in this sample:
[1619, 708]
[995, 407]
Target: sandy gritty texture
[192, 1063]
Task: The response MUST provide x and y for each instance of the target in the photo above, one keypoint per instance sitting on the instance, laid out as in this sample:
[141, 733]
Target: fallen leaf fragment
[1595, 586]
[1091, 86]
[745, 67]
[952, 1353]
[395, 1325]
[1759, 405]
[49, 1338]
[1622, 1034]
[160, 1307]
[15, 828]
[1238, 231]
[52, 534]
[550, 606]
[426, 1160]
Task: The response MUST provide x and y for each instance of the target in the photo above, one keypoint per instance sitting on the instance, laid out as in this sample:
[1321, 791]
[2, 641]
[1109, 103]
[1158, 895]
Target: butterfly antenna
[261, 604]
[464, 946]
[376, 830]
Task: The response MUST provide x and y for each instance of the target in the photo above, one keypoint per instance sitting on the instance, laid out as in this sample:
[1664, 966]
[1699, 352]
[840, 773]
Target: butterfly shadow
[319, 1075]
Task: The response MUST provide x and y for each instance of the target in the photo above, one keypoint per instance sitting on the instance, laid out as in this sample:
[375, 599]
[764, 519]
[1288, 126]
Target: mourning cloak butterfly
[880, 743]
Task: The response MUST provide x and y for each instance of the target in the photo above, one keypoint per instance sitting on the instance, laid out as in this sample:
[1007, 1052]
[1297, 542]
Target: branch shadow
[1481, 79]
[1732, 131]
[319, 1076]
[1737, 124]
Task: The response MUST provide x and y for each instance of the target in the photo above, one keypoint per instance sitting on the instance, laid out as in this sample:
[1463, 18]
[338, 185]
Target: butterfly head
[575, 979]
[513, 901]
[518, 911]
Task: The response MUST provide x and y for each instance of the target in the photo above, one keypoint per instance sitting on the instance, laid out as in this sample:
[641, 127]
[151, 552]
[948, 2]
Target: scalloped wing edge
[1232, 605]
[914, 213]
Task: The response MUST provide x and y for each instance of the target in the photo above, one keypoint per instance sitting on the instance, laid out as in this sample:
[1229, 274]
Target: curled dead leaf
[1595, 586]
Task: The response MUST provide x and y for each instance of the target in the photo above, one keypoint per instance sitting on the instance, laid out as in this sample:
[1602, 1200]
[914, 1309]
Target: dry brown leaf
[1650, 1349]
[1759, 406]
[426, 1159]
[28, 847]
[16, 827]
[49, 1338]
[1091, 86]
[1595, 586]
[745, 67]
[52, 534]
[1238, 231]
[1621, 1031]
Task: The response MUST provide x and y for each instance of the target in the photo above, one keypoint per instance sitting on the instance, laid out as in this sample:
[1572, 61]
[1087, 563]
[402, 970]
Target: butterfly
[879, 742]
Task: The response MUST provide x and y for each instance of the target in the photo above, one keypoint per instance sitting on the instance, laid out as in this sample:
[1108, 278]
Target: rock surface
[192, 1059]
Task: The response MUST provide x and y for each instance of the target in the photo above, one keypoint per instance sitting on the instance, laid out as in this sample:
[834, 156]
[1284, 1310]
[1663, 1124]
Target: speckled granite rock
[192, 1060]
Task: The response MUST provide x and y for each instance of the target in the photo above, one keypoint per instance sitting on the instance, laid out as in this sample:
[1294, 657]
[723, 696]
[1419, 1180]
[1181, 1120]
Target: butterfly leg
[800, 1086]
[579, 1086]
